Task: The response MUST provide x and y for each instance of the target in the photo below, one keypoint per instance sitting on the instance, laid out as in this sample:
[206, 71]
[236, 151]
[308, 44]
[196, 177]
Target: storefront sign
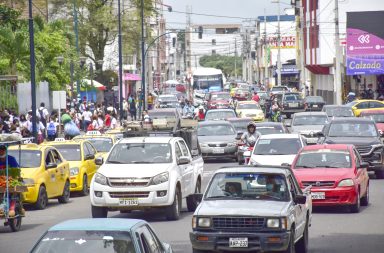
[286, 42]
[365, 65]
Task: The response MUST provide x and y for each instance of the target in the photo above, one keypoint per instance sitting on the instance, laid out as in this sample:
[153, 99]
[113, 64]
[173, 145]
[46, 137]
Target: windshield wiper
[115, 162]
[141, 162]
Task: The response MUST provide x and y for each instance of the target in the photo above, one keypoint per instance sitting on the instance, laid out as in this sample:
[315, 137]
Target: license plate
[218, 151]
[312, 140]
[238, 242]
[128, 202]
[315, 106]
[293, 104]
[318, 195]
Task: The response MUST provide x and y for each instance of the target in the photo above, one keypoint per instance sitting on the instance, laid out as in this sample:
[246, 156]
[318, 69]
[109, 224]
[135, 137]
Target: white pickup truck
[147, 172]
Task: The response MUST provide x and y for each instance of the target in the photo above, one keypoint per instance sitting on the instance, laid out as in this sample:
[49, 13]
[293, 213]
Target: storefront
[290, 76]
[130, 84]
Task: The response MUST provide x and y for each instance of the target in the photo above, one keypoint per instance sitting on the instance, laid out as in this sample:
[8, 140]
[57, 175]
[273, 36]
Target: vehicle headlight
[159, 179]
[273, 223]
[74, 171]
[101, 179]
[28, 181]
[204, 145]
[194, 222]
[346, 182]
[202, 222]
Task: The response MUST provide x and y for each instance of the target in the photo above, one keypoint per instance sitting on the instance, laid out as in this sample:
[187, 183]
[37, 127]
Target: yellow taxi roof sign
[60, 139]
[93, 133]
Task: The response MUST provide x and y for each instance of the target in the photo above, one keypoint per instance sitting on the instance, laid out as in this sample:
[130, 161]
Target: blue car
[101, 236]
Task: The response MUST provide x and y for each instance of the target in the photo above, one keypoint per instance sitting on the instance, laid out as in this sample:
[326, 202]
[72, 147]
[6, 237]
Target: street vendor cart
[11, 187]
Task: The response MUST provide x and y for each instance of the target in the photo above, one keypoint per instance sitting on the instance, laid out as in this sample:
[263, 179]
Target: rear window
[324, 159]
[292, 97]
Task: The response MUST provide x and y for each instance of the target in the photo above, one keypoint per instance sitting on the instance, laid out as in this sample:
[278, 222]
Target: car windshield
[221, 96]
[249, 106]
[324, 159]
[339, 112]
[378, 118]
[292, 97]
[352, 129]
[161, 115]
[168, 98]
[220, 115]
[130, 153]
[70, 152]
[310, 120]
[283, 146]
[248, 186]
[86, 242]
[314, 99]
[101, 144]
[216, 130]
[26, 158]
[269, 130]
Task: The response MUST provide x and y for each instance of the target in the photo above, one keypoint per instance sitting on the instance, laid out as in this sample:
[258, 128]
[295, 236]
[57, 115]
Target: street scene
[191, 126]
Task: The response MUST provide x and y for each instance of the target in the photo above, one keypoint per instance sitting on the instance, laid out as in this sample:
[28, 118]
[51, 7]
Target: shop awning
[318, 69]
[91, 84]
[131, 77]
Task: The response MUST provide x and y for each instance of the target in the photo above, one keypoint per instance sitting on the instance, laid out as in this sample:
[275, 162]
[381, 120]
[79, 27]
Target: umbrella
[89, 83]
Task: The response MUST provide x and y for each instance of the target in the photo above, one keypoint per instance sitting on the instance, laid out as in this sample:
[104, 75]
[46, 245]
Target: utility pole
[120, 65]
[142, 58]
[303, 72]
[278, 45]
[75, 21]
[337, 75]
[236, 58]
[266, 81]
[32, 62]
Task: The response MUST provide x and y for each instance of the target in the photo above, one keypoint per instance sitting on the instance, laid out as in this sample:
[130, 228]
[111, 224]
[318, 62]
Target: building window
[213, 52]
[213, 42]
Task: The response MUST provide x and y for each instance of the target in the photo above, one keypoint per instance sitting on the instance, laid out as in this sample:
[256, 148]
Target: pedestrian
[94, 125]
[107, 119]
[255, 97]
[87, 118]
[113, 121]
[40, 130]
[52, 129]
[132, 108]
[125, 109]
[150, 101]
[43, 114]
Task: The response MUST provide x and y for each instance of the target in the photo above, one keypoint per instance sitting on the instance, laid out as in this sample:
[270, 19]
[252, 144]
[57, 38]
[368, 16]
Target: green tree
[225, 63]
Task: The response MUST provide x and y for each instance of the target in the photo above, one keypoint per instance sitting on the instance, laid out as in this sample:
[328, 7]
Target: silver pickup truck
[252, 209]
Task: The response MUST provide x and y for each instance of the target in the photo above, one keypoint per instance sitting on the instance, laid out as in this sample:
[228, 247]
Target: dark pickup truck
[363, 134]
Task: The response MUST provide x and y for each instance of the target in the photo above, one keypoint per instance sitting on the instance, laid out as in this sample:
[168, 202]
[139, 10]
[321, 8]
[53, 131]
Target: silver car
[309, 124]
[252, 209]
[217, 139]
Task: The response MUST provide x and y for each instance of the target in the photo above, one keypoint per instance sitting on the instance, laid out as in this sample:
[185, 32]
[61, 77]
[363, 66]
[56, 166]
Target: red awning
[318, 69]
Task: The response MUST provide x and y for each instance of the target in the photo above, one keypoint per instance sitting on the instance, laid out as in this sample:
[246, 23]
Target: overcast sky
[243, 8]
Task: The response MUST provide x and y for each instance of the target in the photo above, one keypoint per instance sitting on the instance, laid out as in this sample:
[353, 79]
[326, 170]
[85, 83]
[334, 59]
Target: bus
[208, 79]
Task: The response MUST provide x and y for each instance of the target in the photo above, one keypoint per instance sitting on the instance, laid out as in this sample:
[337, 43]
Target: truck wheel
[355, 208]
[66, 193]
[365, 200]
[302, 244]
[379, 174]
[85, 190]
[99, 212]
[192, 203]
[42, 199]
[173, 211]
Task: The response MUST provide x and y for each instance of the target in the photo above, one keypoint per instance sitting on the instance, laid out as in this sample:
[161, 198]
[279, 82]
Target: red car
[337, 174]
[242, 95]
[218, 100]
[377, 116]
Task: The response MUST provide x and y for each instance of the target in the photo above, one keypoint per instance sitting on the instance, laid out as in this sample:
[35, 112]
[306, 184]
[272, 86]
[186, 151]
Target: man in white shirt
[87, 118]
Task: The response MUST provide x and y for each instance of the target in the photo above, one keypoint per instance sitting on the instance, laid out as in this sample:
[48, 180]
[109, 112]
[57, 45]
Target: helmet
[201, 107]
[251, 124]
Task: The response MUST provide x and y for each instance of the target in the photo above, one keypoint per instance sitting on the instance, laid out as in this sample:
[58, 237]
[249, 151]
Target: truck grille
[128, 182]
[117, 195]
[319, 183]
[238, 223]
[218, 145]
[364, 149]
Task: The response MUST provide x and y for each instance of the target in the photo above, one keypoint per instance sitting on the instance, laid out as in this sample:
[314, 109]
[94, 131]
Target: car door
[52, 174]
[188, 175]
[299, 210]
[148, 241]
[361, 106]
[61, 168]
[181, 167]
[361, 174]
[92, 167]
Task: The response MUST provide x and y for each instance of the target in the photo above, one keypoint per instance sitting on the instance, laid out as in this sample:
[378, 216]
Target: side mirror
[363, 165]
[167, 248]
[247, 154]
[89, 157]
[286, 165]
[51, 166]
[300, 199]
[238, 136]
[194, 152]
[99, 160]
[183, 160]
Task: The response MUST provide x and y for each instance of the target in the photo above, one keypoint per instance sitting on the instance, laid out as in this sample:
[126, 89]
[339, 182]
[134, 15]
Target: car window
[91, 149]
[278, 146]
[86, 151]
[295, 189]
[357, 158]
[149, 241]
[373, 104]
[178, 151]
[184, 148]
[49, 158]
[57, 157]
[362, 105]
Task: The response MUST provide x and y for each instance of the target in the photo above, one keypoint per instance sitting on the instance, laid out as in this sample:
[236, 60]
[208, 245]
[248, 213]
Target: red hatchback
[337, 174]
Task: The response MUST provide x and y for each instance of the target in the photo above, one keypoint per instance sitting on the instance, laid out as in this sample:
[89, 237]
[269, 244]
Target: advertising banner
[365, 43]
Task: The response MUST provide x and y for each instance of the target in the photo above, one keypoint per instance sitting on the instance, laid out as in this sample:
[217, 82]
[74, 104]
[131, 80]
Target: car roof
[279, 136]
[154, 139]
[269, 124]
[336, 106]
[250, 169]
[310, 114]
[221, 110]
[238, 119]
[29, 146]
[213, 122]
[107, 224]
[352, 120]
[67, 142]
[367, 100]
[328, 146]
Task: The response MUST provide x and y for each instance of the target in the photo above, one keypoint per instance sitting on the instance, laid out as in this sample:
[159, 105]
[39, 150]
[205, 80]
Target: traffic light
[200, 32]
[174, 41]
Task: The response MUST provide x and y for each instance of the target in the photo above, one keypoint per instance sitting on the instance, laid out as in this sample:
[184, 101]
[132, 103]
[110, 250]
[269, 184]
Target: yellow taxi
[365, 105]
[102, 142]
[81, 155]
[118, 132]
[249, 109]
[44, 171]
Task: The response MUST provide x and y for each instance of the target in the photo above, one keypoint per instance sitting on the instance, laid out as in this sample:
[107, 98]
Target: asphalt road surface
[332, 231]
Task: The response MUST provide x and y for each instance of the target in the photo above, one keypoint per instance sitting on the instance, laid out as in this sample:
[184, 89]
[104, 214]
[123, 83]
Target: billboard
[365, 43]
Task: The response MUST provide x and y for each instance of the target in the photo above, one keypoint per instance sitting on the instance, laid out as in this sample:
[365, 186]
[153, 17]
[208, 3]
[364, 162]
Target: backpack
[42, 118]
[51, 129]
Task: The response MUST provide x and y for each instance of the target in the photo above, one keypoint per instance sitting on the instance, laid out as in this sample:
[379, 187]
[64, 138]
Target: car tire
[365, 200]
[191, 201]
[173, 211]
[66, 193]
[42, 199]
[85, 190]
[302, 245]
[15, 223]
[291, 245]
[355, 208]
[99, 212]
[379, 174]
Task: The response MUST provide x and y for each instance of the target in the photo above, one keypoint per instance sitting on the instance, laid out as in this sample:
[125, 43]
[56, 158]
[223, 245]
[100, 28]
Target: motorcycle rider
[188, 110]
[275, 108]
[351, 97]
[250, 137]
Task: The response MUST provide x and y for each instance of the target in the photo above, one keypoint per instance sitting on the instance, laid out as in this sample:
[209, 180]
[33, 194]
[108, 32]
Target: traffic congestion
[305, 158]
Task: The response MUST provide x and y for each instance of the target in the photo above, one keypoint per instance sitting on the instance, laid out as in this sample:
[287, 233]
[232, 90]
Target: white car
[276, 149]
[147, 172]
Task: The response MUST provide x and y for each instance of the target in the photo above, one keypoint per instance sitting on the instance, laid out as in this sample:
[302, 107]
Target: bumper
[219, 152]
[76, 183]
[31, 195]
[336, 196]
[256, 241]
[292, 110]
[146, 197]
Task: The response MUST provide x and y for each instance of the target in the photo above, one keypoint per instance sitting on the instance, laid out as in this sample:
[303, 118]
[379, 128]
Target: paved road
[332, 231]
